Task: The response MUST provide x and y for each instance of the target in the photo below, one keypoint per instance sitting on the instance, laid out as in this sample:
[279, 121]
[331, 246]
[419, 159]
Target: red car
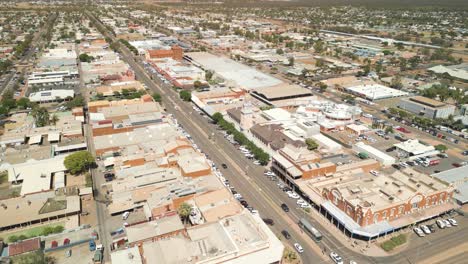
[402, 129]
[456, 165]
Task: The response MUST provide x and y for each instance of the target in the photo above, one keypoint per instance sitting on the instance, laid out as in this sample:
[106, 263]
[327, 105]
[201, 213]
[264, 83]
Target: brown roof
[24, 246]
[427, 101]
[274, 136]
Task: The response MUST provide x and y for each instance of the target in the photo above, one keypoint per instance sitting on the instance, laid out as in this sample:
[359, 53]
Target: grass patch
[89, 180]
[394, 242]
[3, 177]
[53, 205]
[35, 231]
[36, 257]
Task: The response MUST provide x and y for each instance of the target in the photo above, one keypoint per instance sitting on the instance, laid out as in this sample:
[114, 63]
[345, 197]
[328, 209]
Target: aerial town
[170, 132]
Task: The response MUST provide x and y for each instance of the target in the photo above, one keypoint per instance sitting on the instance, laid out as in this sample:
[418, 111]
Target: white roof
[330, 144]
[375, 153]
[376, 91]
[59, 180]
[53, 136]
[51, 95]
[96, 116]
[36, 174]
[126, 256]
[244, 76]
[277, 114]
[413, 146]
[457, 73]
[36, 139]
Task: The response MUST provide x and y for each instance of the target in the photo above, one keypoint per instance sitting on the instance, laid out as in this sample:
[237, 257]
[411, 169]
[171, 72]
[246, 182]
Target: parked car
[432, 228]
[418, 231]
[68, 253]
[336, 258]
[440, 224]
[425, 229]
[268, 221]
[125, 215]
[224, 166]
[452, 221]
[285, 207]
[298, 247]
[286, 234]
[292, 195]
[447, 223]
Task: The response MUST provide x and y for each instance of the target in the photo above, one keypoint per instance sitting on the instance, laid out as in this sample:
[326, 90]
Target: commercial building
[375, 92]
[366, 206]
[37, 208]
[175, 53]
[242, 238]
[426, 107]
[457, 177]
[51, 96]
[413, 148]
[382, 157]
[459, 71]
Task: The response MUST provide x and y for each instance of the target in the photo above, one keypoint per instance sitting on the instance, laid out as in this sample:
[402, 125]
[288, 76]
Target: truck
[97, 257]
[431, 162]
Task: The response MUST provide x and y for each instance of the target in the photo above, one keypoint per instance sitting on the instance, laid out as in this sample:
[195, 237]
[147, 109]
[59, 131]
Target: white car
[440, 224]
[425, 229]
[293, 195]
[447, 223]
[256, 162]
[238, 196]
[452, 221]
[305, 205]
[373, 172]
[300, 201]
[418, 232]
[336, 258]
[298, 247]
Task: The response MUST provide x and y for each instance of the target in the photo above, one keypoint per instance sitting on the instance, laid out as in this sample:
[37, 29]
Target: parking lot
[80, 254]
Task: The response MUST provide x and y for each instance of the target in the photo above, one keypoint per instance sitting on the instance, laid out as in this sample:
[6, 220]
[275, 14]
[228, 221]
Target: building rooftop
[376, 91]
[244, 76]
[24, 246]
[155, 228]
[414, 146]
[126, 256]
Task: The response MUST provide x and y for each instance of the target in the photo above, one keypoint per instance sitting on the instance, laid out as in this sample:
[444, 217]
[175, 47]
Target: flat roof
[126, 256]
[427, 101]
[36, 174]
[455, 175]
[376, 91]
[244, 76]
[413, 146]
[27, 209]
[282, 91]
[154, 228]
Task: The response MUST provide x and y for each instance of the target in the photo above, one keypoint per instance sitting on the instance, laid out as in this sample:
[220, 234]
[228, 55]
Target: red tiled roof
[24, 246]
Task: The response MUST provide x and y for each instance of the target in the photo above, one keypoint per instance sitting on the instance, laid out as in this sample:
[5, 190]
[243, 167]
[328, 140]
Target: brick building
[176, 53]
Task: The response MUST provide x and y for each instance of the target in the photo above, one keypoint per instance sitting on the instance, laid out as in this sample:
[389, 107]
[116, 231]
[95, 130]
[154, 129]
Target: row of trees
[426, 123]
[129, 46]
[239, 137]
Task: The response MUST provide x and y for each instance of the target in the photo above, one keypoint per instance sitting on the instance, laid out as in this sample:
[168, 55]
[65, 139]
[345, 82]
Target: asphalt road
[26, 57]
[266, 197]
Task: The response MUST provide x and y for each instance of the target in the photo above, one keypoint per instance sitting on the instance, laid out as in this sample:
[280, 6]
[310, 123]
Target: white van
[125, 215]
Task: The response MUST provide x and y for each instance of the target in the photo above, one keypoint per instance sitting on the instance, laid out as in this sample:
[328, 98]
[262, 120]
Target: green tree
[86, 58]
[197, 84]
[322, 86]
[441, 147]
[208, 75]
[79, 161]
[185, 95]
[291, 61]
[311, 144]
[279, 51]
[41, 116]
[23, 103]
[396, 82]
[217, 117]
[389, 130]
[184, 211]
[157, 97]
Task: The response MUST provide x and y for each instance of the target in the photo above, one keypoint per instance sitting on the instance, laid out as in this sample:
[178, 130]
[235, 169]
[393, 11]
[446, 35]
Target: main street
[266, 197]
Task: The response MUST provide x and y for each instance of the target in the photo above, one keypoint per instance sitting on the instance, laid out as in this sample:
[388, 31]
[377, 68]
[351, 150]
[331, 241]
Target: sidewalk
[371, 248]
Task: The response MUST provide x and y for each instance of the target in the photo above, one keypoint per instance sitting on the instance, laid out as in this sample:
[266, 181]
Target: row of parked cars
[424, 230]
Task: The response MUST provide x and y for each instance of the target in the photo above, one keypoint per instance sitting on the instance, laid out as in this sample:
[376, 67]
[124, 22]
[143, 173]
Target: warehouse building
[426, 107]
